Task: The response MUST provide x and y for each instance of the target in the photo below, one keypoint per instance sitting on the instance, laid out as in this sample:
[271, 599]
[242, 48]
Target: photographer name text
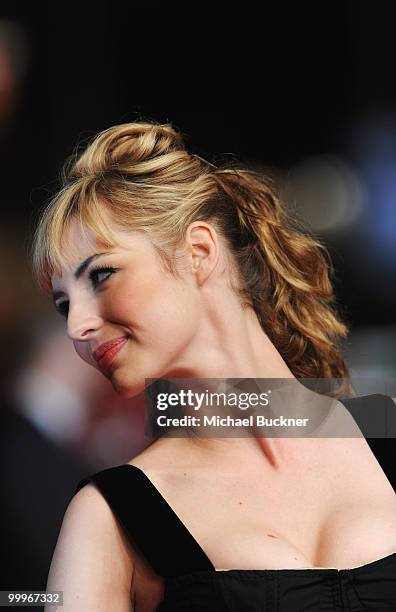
[257, 420]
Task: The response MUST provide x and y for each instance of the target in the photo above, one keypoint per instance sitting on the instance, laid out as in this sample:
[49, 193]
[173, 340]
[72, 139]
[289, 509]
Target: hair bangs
[51, 249]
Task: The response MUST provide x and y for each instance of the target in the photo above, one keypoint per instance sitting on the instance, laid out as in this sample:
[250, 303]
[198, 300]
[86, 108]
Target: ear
[203, 247]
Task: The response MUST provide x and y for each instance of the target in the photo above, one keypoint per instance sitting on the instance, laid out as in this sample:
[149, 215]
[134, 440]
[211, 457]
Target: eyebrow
[78, 272]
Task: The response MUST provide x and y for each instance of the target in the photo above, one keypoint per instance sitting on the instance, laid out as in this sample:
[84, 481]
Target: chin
[128, 388]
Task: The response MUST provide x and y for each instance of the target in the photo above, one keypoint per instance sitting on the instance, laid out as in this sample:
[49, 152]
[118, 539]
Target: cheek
[175, 314]
[156, 306]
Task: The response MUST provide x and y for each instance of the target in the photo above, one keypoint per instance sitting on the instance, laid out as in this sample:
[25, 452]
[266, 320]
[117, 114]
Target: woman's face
[124, 293]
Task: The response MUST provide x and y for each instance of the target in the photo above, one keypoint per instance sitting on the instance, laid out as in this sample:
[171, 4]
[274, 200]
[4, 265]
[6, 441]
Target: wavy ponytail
[286, 276]
[143, 175]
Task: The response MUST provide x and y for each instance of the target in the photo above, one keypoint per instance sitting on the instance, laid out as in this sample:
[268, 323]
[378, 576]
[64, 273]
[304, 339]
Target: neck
[221, 431]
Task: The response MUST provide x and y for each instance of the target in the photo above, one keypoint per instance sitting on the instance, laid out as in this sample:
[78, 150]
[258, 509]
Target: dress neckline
[289, 571]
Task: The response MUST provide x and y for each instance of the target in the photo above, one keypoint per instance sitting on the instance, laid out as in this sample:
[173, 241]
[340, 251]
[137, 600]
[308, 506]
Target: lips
[111, 345]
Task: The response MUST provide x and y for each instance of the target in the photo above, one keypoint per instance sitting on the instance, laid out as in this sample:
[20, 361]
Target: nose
[82, 322]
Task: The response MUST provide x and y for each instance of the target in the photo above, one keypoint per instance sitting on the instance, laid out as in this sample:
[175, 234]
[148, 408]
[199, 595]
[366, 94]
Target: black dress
[192, 584]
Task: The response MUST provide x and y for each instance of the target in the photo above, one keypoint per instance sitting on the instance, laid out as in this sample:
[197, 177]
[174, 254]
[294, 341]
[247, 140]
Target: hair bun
[122, 146]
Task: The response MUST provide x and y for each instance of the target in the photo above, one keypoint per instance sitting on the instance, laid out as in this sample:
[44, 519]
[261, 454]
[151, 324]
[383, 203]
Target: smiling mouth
[97, 354]
[109, 355]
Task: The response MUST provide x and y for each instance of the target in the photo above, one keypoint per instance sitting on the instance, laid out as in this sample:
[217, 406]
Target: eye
[96, 275]
[63, 308]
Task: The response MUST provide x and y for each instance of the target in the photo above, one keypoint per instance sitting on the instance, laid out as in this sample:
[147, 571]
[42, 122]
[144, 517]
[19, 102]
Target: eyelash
[63, 307]
[97, 270]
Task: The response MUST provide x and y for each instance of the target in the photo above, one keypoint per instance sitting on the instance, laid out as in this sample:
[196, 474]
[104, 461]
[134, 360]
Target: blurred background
[304, 90]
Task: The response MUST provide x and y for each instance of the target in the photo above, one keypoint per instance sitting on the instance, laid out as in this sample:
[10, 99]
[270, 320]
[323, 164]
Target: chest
[333, 508]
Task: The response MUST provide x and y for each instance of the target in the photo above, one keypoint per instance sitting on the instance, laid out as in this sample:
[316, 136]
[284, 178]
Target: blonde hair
[143, 175]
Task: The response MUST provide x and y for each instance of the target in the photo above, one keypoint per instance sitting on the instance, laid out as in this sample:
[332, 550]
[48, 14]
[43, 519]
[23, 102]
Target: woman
[167, 267]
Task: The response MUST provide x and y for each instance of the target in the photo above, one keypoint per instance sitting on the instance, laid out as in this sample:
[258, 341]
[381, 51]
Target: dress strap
[151, 525]
[376, 417]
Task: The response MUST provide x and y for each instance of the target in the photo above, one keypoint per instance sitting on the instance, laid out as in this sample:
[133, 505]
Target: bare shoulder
[93, 563]
[394, 399]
